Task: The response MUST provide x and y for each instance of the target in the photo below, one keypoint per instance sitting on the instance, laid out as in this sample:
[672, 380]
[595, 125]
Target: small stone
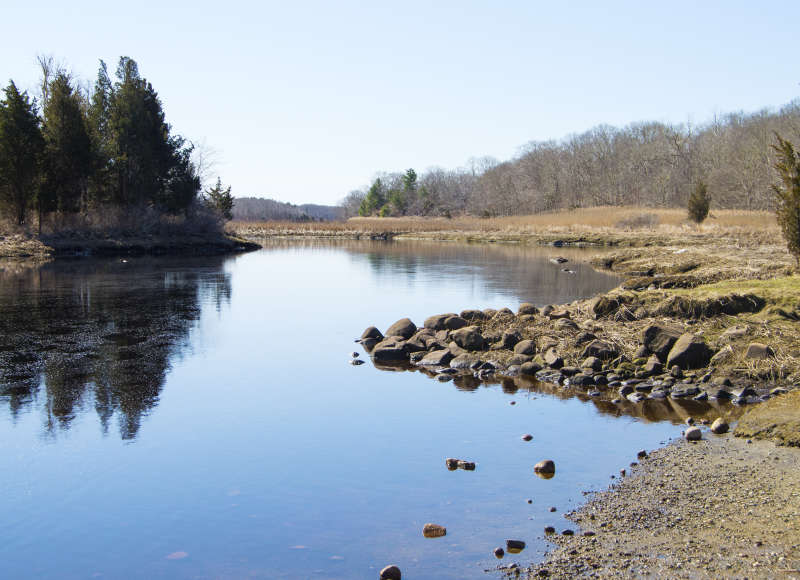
[451, 463]
[356, 362]
[515, 545]
[552, 509]
[354, 354]
[433, 531]
[719, 426]
[466, 465]
[567, 532]
[391, 573]
[546, 466]
[693, 434]
[499, 553]
[530, 500]
[527, 437]
[549, 530]
[689, 421]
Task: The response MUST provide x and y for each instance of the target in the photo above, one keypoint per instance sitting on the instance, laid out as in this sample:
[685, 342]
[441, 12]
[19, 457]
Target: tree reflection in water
[99, 333]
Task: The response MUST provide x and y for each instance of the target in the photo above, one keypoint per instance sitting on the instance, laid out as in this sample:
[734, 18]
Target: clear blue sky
[305, 101]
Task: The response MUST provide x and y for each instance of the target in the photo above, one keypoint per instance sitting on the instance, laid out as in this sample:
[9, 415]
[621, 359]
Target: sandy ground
[723, 507]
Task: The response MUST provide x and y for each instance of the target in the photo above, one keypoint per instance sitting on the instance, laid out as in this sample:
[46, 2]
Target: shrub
[699, 203]
[787, 195]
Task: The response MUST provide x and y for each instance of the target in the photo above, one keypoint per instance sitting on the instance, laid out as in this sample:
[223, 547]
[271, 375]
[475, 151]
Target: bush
[787, 195]
[699, 203]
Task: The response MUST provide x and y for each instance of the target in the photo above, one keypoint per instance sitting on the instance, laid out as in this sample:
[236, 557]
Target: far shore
[35, 248]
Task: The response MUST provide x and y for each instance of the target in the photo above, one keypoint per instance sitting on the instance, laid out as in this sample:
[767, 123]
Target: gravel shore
[723, 507]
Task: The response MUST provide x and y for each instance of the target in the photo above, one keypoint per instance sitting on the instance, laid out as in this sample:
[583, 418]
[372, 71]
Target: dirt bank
[724, 507]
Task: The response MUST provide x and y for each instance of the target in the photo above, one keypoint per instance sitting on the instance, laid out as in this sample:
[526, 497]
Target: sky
[306, 101]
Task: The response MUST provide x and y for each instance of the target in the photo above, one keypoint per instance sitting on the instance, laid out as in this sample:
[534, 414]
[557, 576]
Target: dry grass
[600, 225]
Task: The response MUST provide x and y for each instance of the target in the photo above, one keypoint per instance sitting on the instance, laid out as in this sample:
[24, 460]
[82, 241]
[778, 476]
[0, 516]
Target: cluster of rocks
[550, 346]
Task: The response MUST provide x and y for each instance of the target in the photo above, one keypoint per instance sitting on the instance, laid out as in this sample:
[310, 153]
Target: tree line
[82, 150]
[261, 209]
[649, 164]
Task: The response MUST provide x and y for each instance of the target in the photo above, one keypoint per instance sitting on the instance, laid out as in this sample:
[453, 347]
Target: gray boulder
[527, 308]
[529, 368]
[653, 366]
[689, 352]
[469, 338]
[719, 426]
[758, 351]
[525, 347]
[600, 349]
[509, 339]
[373, 333]
[391, 573]
[438, 358]
[390, 350]
[693, 434]
[403, 327]
[592, 363]
[462, 361]
[454, 322]
[436, 322]
[472, 315]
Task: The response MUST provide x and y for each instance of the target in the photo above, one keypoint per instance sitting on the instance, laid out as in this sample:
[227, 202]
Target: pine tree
[699, 203]
[787, 195]
[68, 160]
[374, 201]
[221, 199]
[21, 148]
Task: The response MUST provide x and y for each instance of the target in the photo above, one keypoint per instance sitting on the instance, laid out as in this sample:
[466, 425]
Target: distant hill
[260, 209]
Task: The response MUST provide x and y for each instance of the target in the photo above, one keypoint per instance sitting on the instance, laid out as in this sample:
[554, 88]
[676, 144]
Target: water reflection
[675, 411]
[521, 271]
[98, 334]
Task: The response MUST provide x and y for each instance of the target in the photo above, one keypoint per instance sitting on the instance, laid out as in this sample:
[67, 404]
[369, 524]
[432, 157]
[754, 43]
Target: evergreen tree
[374, 200]
[410, 181]
[98, 114]
[68, 160]
[787, 195]
[140, 152]
[699, 203]
[221, 199]
[21, 148]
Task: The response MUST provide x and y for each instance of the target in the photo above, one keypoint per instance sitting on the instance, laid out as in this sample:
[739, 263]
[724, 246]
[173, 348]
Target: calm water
[198, 418]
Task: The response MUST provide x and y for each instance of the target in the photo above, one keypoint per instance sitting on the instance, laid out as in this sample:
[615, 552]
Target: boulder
[403, 327]
[758, 351]
[418, 342]
[469, 338]
[436, 322]
[390, 350]
[373, 333]
[509, 339]
[658, 339]
[581, 380]
[724, 354]
[563, 324]
[391, 573]
[552, 359]
[454, 322]
[600, 349]
[520, 359]
[529, 368]
[593, 363]
[438, 358]
[525, 347]
[472, 315]
[462, 361]
[456, 350]
[693, 434]
[515, 546]
[433, 531]
[603, 306]
[653, 365]
[689, 352]
[556, 314]
[527, 308]
[719, 426]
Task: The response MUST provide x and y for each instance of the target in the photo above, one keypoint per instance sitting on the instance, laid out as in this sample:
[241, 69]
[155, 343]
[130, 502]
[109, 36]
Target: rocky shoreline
[715, 506]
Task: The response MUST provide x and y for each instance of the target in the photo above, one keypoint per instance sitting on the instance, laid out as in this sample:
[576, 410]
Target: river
[198, 418]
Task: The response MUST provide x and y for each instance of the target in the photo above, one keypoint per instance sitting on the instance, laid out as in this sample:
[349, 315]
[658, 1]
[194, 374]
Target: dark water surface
[198, 418]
